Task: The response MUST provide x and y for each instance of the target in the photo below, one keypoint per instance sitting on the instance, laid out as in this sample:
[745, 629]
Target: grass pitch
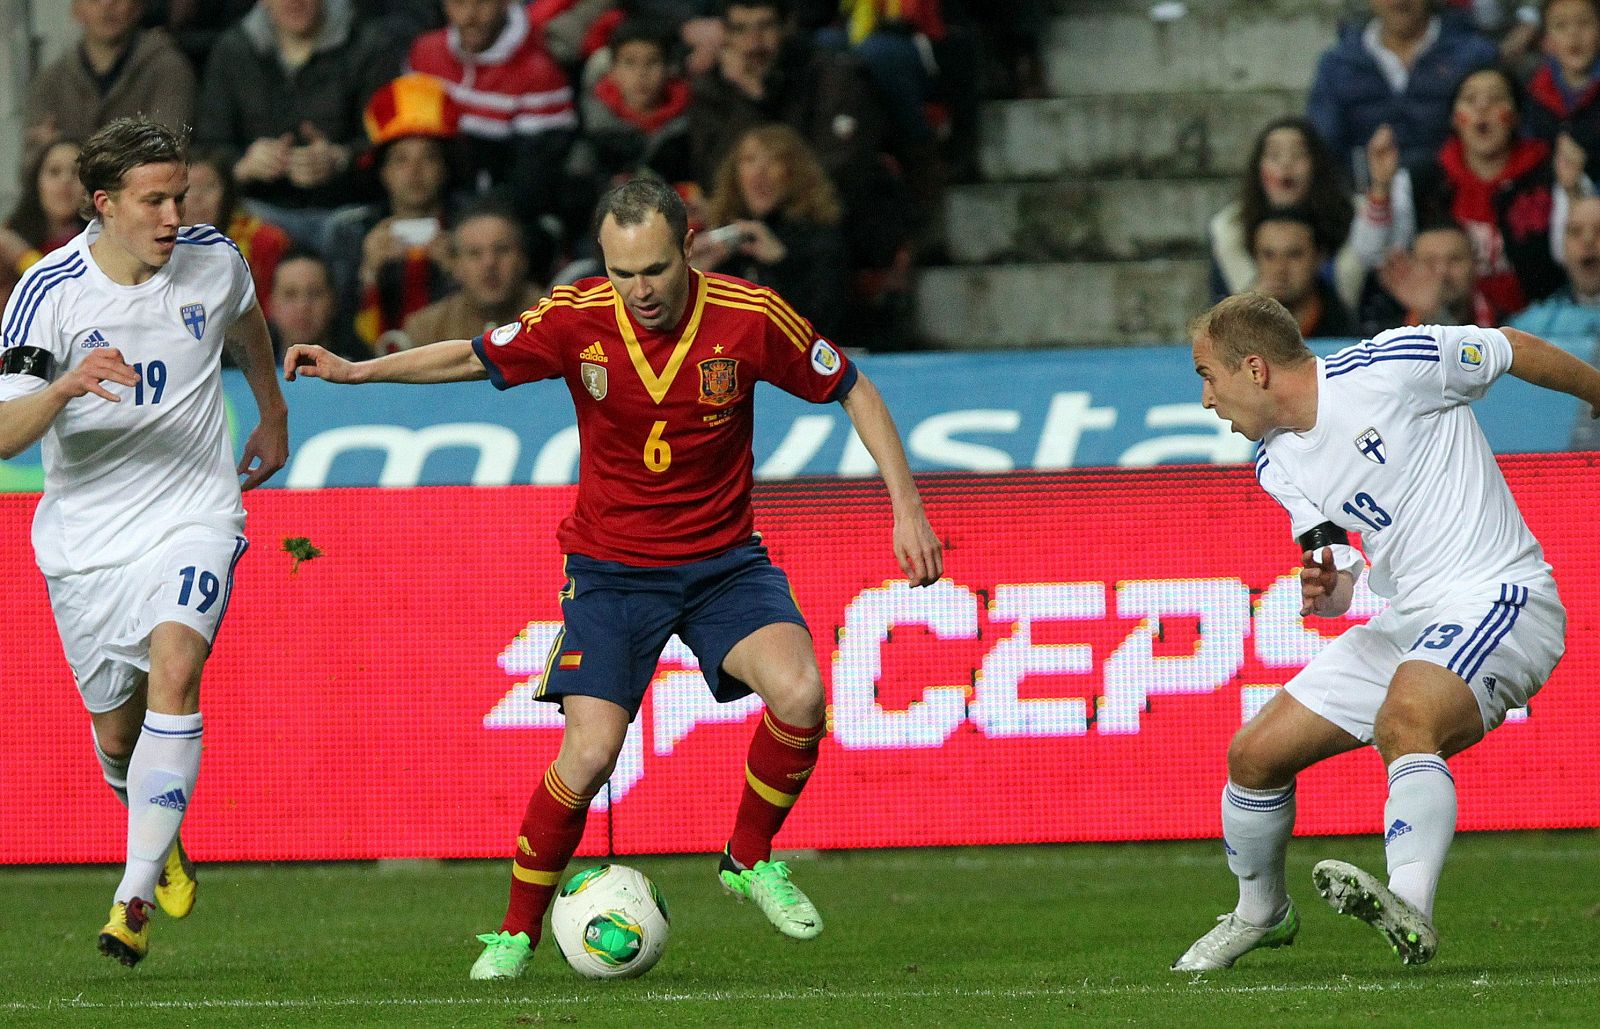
[1078, 935]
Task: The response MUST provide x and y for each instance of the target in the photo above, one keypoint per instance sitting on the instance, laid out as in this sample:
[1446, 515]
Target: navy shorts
[616, 619]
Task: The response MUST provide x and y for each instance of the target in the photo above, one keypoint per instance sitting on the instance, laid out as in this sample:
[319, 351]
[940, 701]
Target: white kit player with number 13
[1378, 440]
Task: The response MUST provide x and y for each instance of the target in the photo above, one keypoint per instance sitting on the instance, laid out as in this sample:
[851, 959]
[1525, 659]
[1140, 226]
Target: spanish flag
[571, 658]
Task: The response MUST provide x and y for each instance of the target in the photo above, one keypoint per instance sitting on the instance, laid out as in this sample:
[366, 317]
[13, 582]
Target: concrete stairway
[1090, 226]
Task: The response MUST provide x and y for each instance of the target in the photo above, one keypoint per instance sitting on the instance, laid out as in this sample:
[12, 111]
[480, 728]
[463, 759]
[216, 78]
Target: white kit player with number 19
[112, 361]
[1378, 440]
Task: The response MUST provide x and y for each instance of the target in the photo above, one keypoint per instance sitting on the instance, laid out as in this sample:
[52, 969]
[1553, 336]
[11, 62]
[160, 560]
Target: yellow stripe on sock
[533, 875]
[561, 791]
[767, 793]
[789, 739]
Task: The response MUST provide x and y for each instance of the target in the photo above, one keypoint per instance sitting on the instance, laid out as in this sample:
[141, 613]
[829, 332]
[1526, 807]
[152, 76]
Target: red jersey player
[661, 362]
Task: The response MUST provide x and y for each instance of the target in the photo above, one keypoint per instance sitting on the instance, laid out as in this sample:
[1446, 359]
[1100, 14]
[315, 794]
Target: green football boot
[505, 955]
[768, 885]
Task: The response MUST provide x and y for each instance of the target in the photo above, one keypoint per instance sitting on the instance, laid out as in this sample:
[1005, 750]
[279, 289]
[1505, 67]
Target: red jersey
[664, 418]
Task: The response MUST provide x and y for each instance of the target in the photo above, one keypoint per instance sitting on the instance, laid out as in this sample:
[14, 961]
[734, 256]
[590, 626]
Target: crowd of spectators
[431, 163]
[398, 168]
[1440, 174]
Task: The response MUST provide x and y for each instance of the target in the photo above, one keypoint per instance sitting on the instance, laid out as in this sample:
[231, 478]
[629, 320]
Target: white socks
[1256, 826]
[1419, 823]
[161, 777]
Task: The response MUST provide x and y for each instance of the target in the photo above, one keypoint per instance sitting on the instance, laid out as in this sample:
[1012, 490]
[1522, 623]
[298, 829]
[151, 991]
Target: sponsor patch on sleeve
[824, 358]
[504, 333]
[1471, 356]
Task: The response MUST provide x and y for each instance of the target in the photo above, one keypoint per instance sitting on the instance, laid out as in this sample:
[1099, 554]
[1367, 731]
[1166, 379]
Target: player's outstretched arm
[267, 448]
[451, 360]
[916, 547]
[1544, 364]
[25, 420]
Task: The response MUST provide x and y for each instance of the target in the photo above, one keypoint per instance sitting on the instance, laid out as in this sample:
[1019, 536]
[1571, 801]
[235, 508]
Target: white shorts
[1502, 640]
[105, 617]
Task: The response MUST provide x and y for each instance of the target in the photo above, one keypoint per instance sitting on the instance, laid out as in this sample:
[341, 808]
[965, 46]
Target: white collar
[1389, 62]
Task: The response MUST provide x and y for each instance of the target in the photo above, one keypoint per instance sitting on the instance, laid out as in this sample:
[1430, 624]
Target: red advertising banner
[1076, 676]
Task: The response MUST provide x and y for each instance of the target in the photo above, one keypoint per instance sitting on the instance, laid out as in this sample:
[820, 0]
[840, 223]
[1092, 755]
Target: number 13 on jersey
[1367, 509]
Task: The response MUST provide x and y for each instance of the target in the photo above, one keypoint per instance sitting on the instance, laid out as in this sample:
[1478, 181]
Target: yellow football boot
[126, 935]
[176, 888]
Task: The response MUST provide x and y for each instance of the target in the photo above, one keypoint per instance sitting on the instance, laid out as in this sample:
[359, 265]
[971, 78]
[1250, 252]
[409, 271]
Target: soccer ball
[610, 922]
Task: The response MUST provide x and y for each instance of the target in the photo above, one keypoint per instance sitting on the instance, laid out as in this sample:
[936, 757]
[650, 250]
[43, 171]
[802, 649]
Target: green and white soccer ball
[610, 922]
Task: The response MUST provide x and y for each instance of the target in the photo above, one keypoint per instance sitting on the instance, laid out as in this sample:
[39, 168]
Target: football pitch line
[1177, 986]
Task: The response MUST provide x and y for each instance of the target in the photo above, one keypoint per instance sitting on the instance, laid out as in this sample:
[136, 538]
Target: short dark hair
[496, 209]
[301, 252]
[633, 202]
[642, 30]
[1513, 87]
[1287, 216]
[123, 145]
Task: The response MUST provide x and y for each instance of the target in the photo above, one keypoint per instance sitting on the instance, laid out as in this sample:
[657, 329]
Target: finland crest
[194, 319]
[1371, 446]
[594, 379]
[719, 381]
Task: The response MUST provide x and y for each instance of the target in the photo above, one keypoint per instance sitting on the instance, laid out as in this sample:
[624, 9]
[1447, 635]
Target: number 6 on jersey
[657, 451]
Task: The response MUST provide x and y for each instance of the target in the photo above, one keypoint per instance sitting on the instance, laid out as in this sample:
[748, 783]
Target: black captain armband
[1325, 535]
[33, 361]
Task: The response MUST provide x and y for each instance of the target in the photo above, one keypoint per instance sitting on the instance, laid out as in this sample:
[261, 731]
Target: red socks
[780, 761]
[551, 830]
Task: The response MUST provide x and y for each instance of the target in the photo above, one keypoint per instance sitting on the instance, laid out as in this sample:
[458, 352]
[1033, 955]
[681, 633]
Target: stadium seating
[1097, 196]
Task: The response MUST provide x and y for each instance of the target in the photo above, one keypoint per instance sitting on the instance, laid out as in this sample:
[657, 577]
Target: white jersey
[1397, 456]
[119, 477]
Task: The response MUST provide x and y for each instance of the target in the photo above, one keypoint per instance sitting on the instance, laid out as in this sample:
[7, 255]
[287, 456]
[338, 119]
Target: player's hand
[266, 451]
[99, 367]
[316, 362]
[918, 550]
[1318, 579]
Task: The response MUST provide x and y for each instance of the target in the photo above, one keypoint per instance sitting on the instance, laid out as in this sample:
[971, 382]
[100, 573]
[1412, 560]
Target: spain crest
[594, 379]
[719, 381]
[194, 319]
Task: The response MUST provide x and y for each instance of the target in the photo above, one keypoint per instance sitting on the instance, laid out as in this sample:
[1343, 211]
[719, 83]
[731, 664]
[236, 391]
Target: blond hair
[809, 196]
[1251, 323]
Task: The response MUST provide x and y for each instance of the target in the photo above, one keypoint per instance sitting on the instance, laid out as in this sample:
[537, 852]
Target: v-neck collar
[658, 385]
